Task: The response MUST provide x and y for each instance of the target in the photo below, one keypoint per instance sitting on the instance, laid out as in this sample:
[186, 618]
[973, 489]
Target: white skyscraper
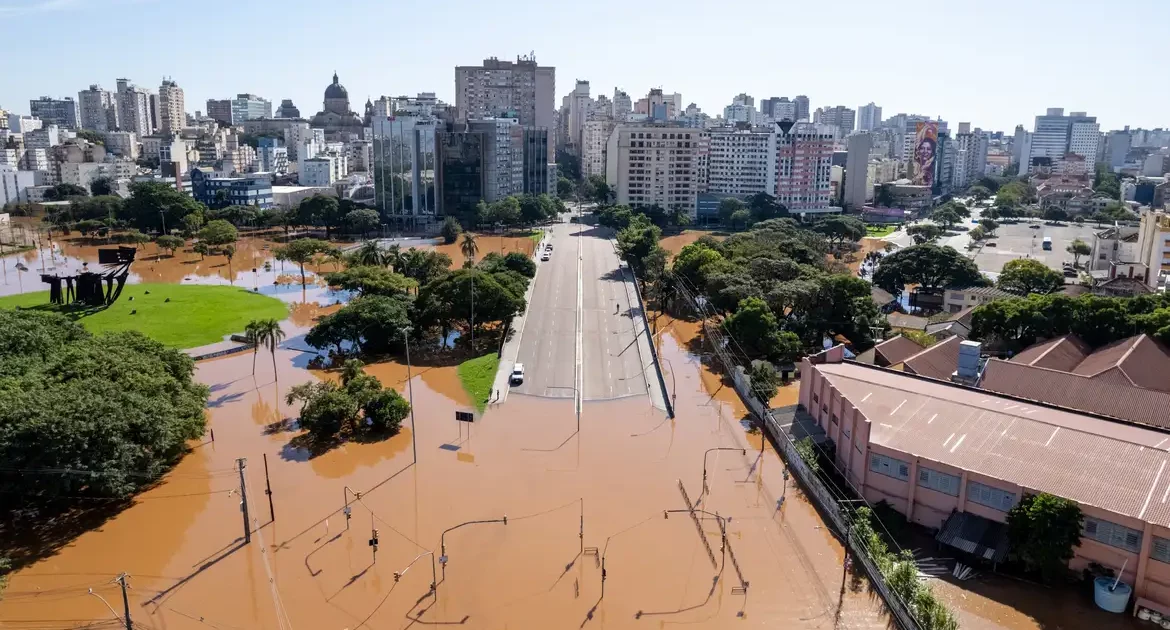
[869, 117]
[742, 161]
[133, 108]
[579, 105]
[172, 107]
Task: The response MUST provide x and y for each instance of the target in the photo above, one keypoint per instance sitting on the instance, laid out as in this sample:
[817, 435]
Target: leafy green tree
[692, 259]
[322, 210]
[229, 252]
[808, 453]
[202, 249]
[363, 221]
[135, 238]
[117, 408]
[741, 218]
[638, 241]
[1043, 530]
[423, 266]
[101, 186]
[170, 243]
[977, 233]
[565, 187]
[89, 226]
[448, 302]
[728, 207]
[450, 230]
[758, 332]
[373, 324]
[1054, 213]
[839, 229]
[1028, 275]
[512, 261]
[929, 266]
[764, 206]
[61, 192]
[1078, 248]
[765, 380]
[979, 192]
[599, 191]
[152, 202]
[92, 136]
[924, 232]
[945, 217]
[370, 280]
[989, 226]
[301, 251]
[616, 217]
[218, 233]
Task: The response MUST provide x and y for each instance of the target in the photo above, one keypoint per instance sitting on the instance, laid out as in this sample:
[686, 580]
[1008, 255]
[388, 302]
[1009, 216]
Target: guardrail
[653, 352]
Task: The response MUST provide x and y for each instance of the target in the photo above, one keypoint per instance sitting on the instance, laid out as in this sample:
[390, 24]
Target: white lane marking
[1152, 486]
[932, 418]
[948, 440]
[898, 407]
[1054, 432]
[579, 323]
[867, 397]
[1159, 444]
[957, 443]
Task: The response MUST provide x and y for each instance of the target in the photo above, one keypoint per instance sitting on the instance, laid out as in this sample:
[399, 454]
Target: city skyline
[838, 70]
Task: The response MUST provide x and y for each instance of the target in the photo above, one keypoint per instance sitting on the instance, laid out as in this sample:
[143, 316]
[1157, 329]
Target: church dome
[336, 90]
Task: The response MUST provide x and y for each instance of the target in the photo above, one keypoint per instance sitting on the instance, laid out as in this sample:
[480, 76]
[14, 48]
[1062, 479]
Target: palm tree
[230, 251]
[334, 256]
[251, 332]
[394, 258]
[269, 333]
[469, 247]
[368, 254]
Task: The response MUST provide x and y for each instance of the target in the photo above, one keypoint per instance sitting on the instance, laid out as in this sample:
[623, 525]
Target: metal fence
[816, 491]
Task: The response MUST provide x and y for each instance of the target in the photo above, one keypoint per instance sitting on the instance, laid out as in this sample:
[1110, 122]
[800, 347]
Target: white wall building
[579, 106]
[23, 124]
[317, 171]
[662, 165]
[497, 88]
[970, 159]
[172, 107]
[857, 171]
[1085, 138]
[133, 109]
[742, 161]
[14, 185]
[622, 105]
[122, 143]
[43, 138]
[594, 140]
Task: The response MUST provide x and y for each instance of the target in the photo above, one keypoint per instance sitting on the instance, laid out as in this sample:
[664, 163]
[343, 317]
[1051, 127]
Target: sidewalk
[654, 384]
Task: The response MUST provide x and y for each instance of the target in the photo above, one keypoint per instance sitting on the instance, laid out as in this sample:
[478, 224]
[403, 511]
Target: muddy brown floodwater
[488, 243]
[572, 499]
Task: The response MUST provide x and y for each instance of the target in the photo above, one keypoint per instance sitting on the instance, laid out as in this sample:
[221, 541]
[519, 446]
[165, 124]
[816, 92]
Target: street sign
[465, 416]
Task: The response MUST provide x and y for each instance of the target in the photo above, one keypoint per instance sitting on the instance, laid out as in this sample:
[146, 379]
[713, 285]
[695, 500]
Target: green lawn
[477, 376]
[878, 231]
[196, 315]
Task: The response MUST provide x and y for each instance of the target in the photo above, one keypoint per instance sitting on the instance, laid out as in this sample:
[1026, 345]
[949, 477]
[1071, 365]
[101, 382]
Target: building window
[938, 481]
[889, 466]
[994, 498]
[1113, 534]
[1160, 549]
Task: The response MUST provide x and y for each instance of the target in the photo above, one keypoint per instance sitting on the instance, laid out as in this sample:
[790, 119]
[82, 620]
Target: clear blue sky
[993, 64]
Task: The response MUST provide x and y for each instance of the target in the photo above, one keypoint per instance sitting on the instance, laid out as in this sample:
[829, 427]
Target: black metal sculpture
[89, 290]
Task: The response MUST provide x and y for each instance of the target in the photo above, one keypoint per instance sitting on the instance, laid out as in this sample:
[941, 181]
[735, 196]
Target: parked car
[517, 374]
[545, 257]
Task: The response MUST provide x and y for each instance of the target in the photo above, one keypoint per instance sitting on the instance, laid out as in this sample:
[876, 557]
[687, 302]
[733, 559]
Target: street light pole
[707, 452]
[410, 394]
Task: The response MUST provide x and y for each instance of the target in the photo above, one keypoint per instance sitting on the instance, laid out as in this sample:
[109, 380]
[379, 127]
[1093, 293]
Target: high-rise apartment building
[1021, 148]
[1117, 146]
[742, 161]
[249, 107]
[172, 107]
[520, 89]
[805, 160]
[99, 109]
[802, 111]
[579, 105]
[1056, 134]
[61, 112]
[778, 108]
[133, 109]
[594, 139]
[969, 157]
[869, 117]
[742, 110]
[857, 171]
[220, 110]
[657, 164]
[622, 105]
[841, 117]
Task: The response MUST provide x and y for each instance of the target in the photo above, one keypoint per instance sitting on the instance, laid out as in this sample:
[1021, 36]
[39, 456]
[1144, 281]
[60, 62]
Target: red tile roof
[938, 361]
[1106, 395]
[1139, 361]
[1063, 353]
[895, 350]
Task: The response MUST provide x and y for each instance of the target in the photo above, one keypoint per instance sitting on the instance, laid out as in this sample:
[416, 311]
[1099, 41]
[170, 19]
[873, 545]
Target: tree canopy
[118, 406]
[1098, 320]
[359, 407]
[928, 265]
[447, 302]
[371, 280]
[840, 229]
[450, 230]
[218, 233]
[151, 202]
[1043, 530]
[372, 324]
[924, 232]
[301, 251]
[363, 220]
[1028, 275]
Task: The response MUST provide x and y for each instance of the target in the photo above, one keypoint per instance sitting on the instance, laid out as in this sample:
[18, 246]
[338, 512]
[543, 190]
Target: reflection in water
[563, 492]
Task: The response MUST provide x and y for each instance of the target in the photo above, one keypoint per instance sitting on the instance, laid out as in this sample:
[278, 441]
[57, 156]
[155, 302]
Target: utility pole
[268, 490]
[242, 463]
[410, 394]
[125, 600]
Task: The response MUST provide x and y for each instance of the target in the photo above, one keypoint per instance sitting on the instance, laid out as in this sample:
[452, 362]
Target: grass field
[477, 376]
[878, 231]
[195, 315]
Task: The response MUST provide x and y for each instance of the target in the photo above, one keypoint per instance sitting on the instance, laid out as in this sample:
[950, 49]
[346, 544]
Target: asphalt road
[582, 280]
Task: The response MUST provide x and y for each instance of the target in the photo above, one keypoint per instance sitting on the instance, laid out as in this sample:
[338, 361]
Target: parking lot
[1020, 240]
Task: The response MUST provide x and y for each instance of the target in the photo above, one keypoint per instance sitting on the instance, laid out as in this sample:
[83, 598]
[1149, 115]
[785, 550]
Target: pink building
[938, 451]
[805, 160]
